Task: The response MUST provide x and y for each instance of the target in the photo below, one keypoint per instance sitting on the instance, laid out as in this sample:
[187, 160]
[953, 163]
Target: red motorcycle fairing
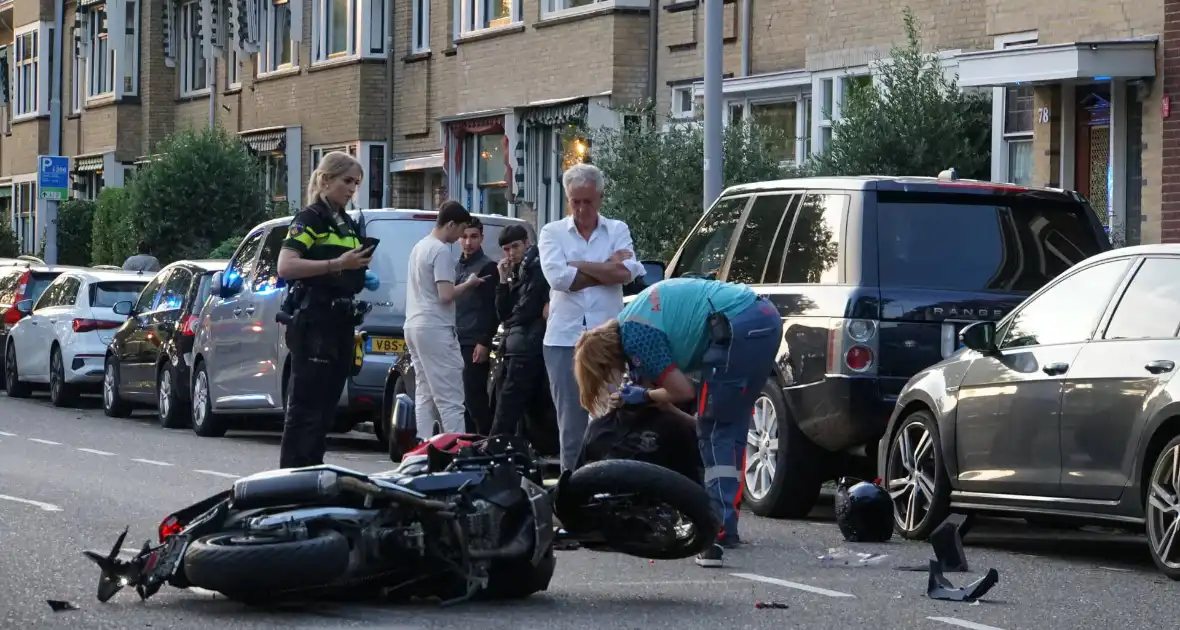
[447, 443]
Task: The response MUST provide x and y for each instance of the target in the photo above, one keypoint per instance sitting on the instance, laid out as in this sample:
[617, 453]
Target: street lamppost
[714, 18]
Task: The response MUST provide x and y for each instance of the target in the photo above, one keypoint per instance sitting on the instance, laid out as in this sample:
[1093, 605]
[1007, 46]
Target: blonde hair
[333, 165]
[598, 362]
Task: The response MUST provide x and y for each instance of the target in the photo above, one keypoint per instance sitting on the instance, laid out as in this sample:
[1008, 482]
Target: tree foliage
[9, 243]
[113, 236]
[75, 229]
[655, 177]
[913, 121]
[205, 187]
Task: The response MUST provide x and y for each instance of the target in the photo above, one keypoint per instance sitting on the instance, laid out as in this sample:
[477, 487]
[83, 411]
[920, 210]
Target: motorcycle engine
[482, 523]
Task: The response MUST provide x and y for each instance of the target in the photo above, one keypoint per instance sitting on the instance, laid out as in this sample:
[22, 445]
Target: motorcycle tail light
[170, 527]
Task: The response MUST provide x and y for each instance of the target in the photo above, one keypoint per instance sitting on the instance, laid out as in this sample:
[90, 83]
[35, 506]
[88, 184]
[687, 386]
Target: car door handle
[1054, 369]
[237, 312]
[250, 310]
[1161, 366]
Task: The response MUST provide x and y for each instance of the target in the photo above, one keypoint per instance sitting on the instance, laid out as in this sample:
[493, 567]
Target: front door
[1007, 431]
[135, 364]
[229, 328]
[261, 298]
[1117, 383]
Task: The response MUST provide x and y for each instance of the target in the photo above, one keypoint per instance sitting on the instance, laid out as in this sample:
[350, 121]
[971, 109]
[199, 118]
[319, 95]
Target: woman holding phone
[325, 265]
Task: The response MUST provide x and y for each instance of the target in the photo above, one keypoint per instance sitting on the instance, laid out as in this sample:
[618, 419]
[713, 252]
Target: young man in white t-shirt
[430, 324]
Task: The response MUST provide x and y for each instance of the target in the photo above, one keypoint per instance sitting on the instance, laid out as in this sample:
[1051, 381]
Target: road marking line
[50, 442]
[96, 452]
[7, 434]
[1116, 569]
[217, 474]
[795, 585]
[962, 623]
[48, 507]
[151, 461]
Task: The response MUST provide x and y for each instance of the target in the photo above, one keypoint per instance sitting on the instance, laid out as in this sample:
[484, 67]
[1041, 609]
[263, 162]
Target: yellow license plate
[386, 345]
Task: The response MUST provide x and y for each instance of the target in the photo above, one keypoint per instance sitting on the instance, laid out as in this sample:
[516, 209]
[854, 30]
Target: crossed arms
[575, 275]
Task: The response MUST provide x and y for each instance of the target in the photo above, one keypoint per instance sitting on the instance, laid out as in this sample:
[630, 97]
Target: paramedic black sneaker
[710, 557]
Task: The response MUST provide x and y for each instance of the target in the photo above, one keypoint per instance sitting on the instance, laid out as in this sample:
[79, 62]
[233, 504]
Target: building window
[101, 79]
[274, 174]
[827, 111]
[194, 77]
[24, 216]
[78, 77]
[781, 117]
[1018, 133]
[30, 81]
[233, 58]
[683, 103]
[375, 174]
[552, 7]
[128, 57]
[421, 37]
[278, 50]
[831, 92]
[491, 174]
[477, 15]
[806, 129]
[347, 28]
[87, 184]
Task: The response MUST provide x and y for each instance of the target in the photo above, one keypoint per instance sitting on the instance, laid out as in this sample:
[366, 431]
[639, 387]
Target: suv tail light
[188, 325]
[12, 316]
[87, 325]
[852, 346]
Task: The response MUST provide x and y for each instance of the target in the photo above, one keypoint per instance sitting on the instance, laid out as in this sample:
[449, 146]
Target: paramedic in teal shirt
[680, 326]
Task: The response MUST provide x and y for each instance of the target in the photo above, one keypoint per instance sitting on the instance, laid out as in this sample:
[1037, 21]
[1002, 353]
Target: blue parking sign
[53, 177]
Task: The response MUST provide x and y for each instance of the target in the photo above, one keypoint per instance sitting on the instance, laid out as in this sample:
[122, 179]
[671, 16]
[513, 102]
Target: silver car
[240, 364]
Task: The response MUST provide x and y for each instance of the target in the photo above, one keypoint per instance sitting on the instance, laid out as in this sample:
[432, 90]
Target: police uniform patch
[296, 229]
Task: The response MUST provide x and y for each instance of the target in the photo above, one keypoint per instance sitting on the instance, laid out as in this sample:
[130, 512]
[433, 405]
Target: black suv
[874, 277]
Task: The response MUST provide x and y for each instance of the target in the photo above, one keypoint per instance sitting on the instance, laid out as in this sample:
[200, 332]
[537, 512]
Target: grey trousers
[438, 380]
[572, 419]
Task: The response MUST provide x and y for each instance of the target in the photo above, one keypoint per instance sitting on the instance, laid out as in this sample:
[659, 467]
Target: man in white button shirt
[586, 258]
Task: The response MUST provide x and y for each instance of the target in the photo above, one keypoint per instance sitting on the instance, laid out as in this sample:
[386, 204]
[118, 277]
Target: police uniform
[320, 337]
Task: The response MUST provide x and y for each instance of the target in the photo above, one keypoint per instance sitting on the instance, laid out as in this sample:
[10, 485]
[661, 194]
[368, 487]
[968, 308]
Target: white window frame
[362, 151]
[821, 82]
[88, 184]
[678, 92]
[562, 8]
[191, 49]
[470, 18]
[802, 101]
[100, 81]
[352, 148]
[31, 73]
[1001, 169]
[27, 235]
[366, 33]
[420, 24]
[78, 76]
[233, 58]
[268, 55]
[128, 57]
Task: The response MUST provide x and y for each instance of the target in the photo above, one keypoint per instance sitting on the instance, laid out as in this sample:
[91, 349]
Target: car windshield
[398, 237]
[980, 243]
[38, 282]
[107, 294]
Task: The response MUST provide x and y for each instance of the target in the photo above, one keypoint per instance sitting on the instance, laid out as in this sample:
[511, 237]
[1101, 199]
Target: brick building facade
[291, 83]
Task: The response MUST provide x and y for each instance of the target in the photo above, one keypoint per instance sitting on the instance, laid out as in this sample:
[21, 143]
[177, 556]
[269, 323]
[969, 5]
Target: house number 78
[1042, 115]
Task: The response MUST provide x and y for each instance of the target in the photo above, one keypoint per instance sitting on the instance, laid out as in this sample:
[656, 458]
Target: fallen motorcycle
[473, 520]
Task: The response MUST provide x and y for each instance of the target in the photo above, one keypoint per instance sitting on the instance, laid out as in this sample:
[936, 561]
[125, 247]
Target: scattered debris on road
[761, 604]
[59, 605]
[947, 541]
[938, 587]
[838, 557]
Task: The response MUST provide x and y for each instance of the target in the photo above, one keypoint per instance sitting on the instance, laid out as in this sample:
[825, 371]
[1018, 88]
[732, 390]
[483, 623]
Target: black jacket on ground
[475, 311]
[520, 305]
[647, 434]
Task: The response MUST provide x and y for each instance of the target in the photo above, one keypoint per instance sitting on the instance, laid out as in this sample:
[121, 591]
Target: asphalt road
[73, 479]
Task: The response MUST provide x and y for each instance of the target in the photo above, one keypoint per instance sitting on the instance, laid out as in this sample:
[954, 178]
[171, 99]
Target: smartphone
[370, 242]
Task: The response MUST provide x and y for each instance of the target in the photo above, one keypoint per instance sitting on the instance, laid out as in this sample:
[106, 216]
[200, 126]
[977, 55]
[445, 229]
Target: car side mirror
[24, 307]
[123, 307]
[654, 271]
[980, 336]
[228, 283]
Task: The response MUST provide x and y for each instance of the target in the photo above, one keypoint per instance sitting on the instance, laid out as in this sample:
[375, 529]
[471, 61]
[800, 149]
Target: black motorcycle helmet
[864, 511]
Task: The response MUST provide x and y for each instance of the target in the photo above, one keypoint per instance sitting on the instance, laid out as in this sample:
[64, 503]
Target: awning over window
[557, 114]
[83, 4]
[88, 163]
[1052, 63]
[267, 141]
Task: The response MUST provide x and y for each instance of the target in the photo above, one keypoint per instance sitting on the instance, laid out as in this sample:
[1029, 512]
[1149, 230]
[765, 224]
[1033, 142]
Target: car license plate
[385, 345]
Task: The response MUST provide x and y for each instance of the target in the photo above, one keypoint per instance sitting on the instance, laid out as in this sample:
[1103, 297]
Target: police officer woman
[325, 266]
[683, 325]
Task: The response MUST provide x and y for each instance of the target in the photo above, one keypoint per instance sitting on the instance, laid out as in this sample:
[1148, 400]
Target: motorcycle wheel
[615, 499]
[249, 568]
[518, 580]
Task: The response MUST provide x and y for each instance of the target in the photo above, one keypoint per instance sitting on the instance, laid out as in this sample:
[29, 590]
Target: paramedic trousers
[321, 347]
[438, 380]
[732, 377]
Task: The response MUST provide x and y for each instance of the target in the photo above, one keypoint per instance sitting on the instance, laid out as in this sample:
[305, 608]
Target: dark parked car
[874, 277]
[1065, 409]
[21, 279]
[150, 358]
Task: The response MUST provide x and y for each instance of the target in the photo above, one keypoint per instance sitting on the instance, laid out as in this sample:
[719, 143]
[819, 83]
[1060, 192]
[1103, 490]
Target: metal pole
[55, 72]
[211, 81]
[390, 62]
[714, 18]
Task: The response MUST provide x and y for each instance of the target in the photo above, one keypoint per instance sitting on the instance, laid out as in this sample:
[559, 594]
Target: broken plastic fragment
[846, 558]
[770, 605]
[947, 541]
[58, 605]
[939, 587]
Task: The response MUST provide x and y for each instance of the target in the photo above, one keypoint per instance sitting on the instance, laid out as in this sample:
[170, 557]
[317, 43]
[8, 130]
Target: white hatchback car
[64, 338]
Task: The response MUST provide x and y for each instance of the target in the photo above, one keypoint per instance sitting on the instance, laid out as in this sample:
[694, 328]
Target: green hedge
[75, 229]
[113, 235]
[9, 244]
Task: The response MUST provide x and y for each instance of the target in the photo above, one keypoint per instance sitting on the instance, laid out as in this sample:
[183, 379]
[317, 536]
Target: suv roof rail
[949, 175]
[32, 259]
[108, 267]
